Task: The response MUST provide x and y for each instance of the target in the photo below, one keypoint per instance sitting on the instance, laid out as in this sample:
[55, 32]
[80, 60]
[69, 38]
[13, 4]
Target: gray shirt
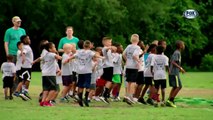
[8, 69]
[66, 68]
[108, 62]
[28, 56]
[84, 61]
[49, 66]
[176, 57]
[130, 52]
[19, 60]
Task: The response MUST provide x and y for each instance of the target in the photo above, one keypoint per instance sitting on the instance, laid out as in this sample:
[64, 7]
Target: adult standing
[12, 36]
[68, 39]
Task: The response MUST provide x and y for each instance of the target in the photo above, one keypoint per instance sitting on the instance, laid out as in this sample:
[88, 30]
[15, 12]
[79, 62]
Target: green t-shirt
[12, 36]
[65, 40]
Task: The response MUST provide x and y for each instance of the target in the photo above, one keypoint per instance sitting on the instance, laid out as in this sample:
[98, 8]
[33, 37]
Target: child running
[174, 77]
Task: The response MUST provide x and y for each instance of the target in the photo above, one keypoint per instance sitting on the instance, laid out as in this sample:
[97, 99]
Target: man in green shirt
[12, 36]
[68, 39]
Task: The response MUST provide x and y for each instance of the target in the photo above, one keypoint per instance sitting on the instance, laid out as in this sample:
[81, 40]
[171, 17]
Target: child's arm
[178, 66]
[37, 60]
[58, 57]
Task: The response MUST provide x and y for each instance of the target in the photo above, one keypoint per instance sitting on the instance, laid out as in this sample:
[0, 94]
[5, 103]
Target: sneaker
[76, 98]
[23, 97]
[105, 100]
[11, 97]
[6, 97]
[27, 95]
[127, 100]
[170, 104]
[156, 97]
[150, 101]
[156, 104]
[135, 100]
[64, 100]
[48, 104]
[16, 94]
[53, 102]
[162, 104]
[80, 103]
[41, 103]
[96, 98]
[141, 100]
[86, 102]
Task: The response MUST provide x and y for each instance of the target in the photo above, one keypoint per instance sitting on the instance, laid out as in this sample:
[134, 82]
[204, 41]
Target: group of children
[98, 74]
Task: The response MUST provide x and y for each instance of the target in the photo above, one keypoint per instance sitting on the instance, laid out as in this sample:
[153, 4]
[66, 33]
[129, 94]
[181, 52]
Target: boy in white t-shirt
[131, 55]
[49, 74]
[84, 62]
[159, 64]
[9, 73]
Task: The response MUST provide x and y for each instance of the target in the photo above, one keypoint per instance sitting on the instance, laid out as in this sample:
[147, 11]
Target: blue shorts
[84, 80]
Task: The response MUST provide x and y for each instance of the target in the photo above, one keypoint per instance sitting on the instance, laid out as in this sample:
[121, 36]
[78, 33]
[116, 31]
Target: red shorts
[100, 82]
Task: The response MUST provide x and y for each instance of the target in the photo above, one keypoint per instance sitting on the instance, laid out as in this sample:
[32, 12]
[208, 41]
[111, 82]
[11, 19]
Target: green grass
[195, 85]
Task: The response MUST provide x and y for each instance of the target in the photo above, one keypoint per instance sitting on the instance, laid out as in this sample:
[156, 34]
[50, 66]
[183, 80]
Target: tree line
[93, 19]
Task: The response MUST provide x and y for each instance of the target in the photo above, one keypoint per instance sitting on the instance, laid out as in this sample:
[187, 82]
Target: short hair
[19, 43]
[80, 44]
[42, 44]
[68, 27]
[160, 49]
[106, 38]
[152, 46]
[87, 44]
[16, 18]
[23, 38]
[116, 44]
[160, 42]
[10, 58]
[49, 45]
[134, 38]
[178, 44]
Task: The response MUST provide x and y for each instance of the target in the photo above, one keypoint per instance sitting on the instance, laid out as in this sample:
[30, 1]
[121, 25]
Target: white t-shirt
[108, 61]
[28, 56]
[117, 60]
[147, 69]
[66, 68]
[8, 69]
[49, 66]
[19, 60]
[43, 53]
[141, 67]
[159, 63]
[130, 51]
[84, 61]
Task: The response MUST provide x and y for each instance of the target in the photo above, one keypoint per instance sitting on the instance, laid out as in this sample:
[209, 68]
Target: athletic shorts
[148, 80]
[84, 80]
[160, 83]
[8, 82]
[116, 78]
[131, 75]
[49, 83]
[140, 79]
[92, 86]
[26, 74]
[57, 87]
[67, 80]
[107, 74]
[100, 82]
[18, 74]
[74, 76]
[174, 81]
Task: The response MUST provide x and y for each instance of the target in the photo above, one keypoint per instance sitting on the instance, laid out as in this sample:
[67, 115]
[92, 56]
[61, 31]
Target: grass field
[194, 103]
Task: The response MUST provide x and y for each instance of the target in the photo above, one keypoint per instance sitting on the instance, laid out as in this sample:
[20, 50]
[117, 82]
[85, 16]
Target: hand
[182, 70]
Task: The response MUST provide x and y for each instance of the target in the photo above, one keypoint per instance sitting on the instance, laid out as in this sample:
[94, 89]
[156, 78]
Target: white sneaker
[96, 98]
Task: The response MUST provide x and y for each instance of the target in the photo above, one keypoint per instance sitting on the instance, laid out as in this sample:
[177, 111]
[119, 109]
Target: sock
[106, 91]
[86, 95]
[71, 93]
[80, 95]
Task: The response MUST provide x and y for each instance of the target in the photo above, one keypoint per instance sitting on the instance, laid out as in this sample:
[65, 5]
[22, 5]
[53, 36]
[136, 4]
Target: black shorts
[174, 81]
[160, 83]
[84, 80]
[49, 83]
[67, 80]
[18, 74]
[26, 74]
[74, 76]
[148, 80]
[131, 75]
[8, 82]
[107, 74]
[140, 79]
